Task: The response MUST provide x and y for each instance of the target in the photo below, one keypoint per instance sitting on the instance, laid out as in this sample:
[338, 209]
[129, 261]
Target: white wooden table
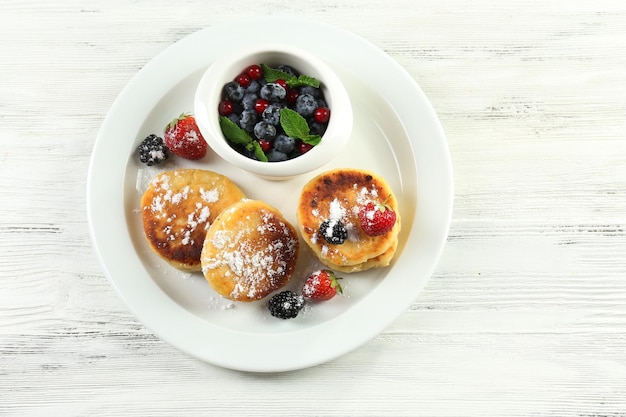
[526, 312]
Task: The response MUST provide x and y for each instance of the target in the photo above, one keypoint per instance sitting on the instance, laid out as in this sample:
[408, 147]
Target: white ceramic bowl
[226, 68]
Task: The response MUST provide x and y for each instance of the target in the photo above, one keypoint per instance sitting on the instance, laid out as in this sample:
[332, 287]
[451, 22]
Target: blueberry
[233, 91]
[307, 89]
[284, 143]
[264, 130]
[272, 114]
[305, 105]
[286, 68]
[248, 101]
[317, 128]
[273, 92]
[248, 120]
[234, 117]
[276, 156]
[254, 87]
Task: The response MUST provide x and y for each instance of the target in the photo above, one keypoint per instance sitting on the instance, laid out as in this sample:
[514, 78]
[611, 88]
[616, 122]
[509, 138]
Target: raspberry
[152, 150]
[286, 305]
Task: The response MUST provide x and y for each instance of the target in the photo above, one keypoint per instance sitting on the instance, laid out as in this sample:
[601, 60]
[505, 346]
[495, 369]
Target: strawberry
[321, 285]
[377, 219]
[184, 139]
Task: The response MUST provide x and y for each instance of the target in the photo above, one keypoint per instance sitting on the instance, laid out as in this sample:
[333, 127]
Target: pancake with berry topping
[250, 250]
[177, 209]
[328, 218]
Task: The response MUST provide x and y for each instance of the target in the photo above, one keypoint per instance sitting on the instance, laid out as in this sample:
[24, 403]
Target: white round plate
[396, 134]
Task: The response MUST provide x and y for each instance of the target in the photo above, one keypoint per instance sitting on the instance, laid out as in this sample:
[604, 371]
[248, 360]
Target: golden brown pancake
[177, 209]
[250, 250]
[375, 262]
[340, 194]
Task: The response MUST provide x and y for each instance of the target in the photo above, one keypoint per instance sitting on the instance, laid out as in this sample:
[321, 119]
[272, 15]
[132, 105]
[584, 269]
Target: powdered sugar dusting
[165, 197]
[336, 210]
[256, 259]
[210, 196]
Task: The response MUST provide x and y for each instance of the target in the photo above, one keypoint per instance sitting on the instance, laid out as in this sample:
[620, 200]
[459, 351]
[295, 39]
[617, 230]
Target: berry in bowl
[275, 111]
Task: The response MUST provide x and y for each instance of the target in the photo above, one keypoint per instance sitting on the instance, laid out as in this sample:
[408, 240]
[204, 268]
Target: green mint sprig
[296, 127]
[238, 136]
[273, 74]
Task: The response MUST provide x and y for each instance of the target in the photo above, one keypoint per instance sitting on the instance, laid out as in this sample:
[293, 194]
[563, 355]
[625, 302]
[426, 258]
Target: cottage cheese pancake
[250, 250]
[375, 262]
[339, 195]
[177, 209]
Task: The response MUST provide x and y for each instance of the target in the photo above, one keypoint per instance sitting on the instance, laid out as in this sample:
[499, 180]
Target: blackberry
[286, 304]
[334, 231]
[152, 150]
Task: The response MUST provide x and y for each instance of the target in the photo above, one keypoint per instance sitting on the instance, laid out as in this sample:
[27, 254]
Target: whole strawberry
[183, 138]
[321, 285]
[377, 219]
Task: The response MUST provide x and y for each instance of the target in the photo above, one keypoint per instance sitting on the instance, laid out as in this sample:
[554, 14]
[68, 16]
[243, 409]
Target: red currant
[254, 72]
[321, 115]
[292, 95]
[243, 80]
[304, 147]
[266, 145]
[282, 82]
[260, 105]
[225, 108]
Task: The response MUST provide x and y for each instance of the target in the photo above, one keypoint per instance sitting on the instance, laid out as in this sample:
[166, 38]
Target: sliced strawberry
[184, 139]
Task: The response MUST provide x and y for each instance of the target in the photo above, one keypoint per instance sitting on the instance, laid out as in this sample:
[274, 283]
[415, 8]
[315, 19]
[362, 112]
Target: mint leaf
[296, 127]
[273, 74]
[234, 133]
[293, 124]
[302, 81]
[312, 139]
[258, 152]
[238, 136]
